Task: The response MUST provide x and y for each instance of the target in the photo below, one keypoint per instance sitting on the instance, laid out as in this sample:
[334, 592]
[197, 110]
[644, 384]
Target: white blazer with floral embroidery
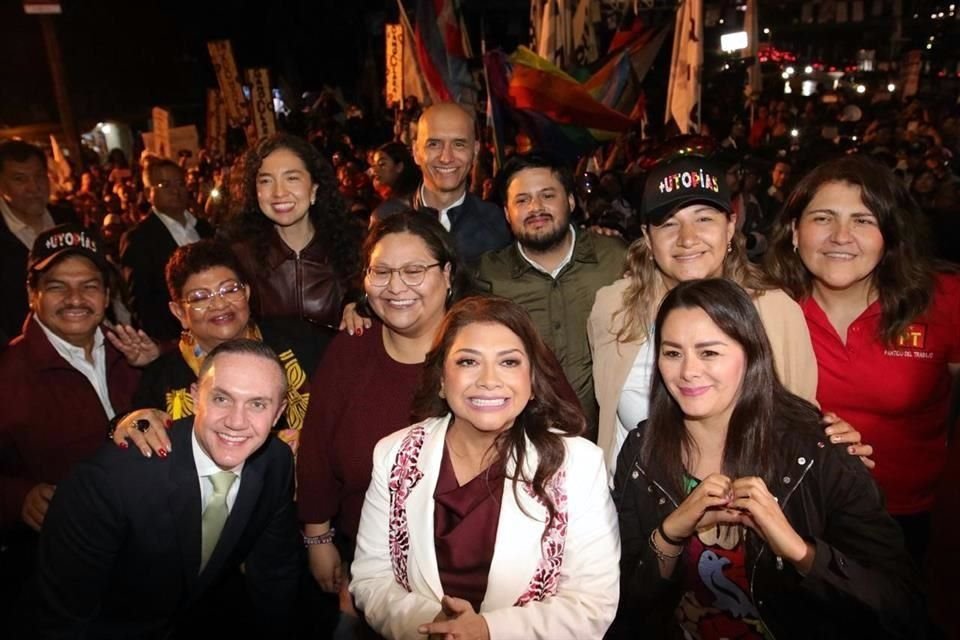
[556, 580]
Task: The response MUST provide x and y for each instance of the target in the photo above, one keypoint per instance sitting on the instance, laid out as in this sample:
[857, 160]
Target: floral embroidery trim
[404, 476]
[546, 579]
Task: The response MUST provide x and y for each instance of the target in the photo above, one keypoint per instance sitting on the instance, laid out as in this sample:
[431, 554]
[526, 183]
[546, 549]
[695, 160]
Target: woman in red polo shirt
[884, 320]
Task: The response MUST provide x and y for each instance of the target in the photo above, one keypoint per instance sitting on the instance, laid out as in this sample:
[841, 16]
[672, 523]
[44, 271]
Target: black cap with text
[681, 182]
[63, 240]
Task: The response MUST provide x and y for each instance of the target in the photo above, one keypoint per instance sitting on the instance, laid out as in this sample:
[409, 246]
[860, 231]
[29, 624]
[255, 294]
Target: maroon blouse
[465, 521]
[358, 395]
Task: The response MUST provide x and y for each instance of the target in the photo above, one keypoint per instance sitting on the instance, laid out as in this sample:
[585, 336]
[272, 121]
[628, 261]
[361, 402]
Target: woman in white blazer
[543, 522]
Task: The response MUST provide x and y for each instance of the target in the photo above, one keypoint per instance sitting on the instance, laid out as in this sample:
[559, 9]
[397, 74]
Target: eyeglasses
[411, 274]
[200, 299]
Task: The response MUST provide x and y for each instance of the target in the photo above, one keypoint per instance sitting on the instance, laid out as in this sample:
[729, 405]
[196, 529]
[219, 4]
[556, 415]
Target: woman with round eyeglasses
[689, 232]
[210, 298]
[364, 387]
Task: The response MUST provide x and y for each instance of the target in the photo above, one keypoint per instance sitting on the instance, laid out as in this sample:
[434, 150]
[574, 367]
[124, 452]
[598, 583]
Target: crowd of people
[695, 387]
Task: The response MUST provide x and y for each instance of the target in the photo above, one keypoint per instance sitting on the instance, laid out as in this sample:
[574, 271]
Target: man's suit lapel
[185, 501]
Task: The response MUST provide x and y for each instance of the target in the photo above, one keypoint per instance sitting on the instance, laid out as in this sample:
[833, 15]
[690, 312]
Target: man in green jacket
[552, 269]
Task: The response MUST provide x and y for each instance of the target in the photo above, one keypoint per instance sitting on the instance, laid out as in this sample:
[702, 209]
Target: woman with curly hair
[489, 518]
[295, 236]
[884, 319]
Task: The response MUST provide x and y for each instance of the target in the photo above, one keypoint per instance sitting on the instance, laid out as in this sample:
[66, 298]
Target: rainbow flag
[564, 116]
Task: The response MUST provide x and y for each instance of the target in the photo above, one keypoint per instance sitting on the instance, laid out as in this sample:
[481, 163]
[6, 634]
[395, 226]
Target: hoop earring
[796, 248]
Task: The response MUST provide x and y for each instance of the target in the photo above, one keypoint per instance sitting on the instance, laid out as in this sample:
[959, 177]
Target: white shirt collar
[566, 259]
[189, 220]
[63, 347]
[94, 369]
[204, 463]
[21, 229]
[442, 213]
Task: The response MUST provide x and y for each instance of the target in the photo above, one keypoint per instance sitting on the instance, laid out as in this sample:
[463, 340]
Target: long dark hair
[438, 240]
[410, 176]
[340, 233]
[905, 277]
[545, 420]
[763, 402]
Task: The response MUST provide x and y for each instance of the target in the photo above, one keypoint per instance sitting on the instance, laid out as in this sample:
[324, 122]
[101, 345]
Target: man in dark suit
[445, 150]
[145, 249]
[25, 213]
[148, 547]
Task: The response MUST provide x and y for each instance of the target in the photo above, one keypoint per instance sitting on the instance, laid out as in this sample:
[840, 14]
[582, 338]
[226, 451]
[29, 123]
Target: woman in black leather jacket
[736, 520]
[295, 236]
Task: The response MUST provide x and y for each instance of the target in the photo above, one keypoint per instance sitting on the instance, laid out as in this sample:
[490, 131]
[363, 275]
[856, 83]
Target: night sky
[123, 56]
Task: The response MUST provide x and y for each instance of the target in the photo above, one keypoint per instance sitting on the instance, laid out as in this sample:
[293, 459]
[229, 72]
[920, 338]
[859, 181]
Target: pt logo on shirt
[912, 343]
[914, 337]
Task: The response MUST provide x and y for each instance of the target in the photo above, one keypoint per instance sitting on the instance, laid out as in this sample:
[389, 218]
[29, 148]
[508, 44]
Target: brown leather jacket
[289, 285]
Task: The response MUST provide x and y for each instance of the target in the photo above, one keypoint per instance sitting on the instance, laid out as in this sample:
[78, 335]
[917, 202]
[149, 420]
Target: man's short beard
[544, 243]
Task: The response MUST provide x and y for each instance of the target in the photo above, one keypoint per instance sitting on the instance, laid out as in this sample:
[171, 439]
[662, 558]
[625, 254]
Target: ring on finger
[141, 425]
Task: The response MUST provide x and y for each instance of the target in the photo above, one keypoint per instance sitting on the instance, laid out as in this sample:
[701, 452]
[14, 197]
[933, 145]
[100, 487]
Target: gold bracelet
[657, 551]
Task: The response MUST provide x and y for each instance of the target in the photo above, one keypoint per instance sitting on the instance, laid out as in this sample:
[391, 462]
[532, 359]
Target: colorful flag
[617, 82]
[442, 48]
[557, 111]
[683, 92]
[414, 83]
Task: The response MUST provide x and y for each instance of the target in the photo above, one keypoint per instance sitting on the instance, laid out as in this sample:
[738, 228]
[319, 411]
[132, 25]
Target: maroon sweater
[358, 395]
[51, 417]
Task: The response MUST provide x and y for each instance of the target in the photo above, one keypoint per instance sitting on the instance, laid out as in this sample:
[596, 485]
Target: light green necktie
[215, 515]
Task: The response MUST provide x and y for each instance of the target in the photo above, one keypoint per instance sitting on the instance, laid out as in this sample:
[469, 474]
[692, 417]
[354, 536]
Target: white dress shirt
[20, 229]
[206, 468]
[183, 234]
[76, 357]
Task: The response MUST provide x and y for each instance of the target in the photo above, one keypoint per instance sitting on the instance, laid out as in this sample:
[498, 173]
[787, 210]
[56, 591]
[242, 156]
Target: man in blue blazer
[137, 547]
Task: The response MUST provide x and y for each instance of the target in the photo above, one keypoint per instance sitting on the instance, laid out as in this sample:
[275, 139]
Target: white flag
[584, 35]
[683, 92]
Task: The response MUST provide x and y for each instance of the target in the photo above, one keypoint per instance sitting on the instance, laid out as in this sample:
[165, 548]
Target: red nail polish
[359, 332]
[168, 422]
[162, 453]
[123, 445]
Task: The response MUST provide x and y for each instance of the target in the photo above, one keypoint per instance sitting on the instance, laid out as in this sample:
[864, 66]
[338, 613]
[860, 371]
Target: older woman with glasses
[210, 298]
